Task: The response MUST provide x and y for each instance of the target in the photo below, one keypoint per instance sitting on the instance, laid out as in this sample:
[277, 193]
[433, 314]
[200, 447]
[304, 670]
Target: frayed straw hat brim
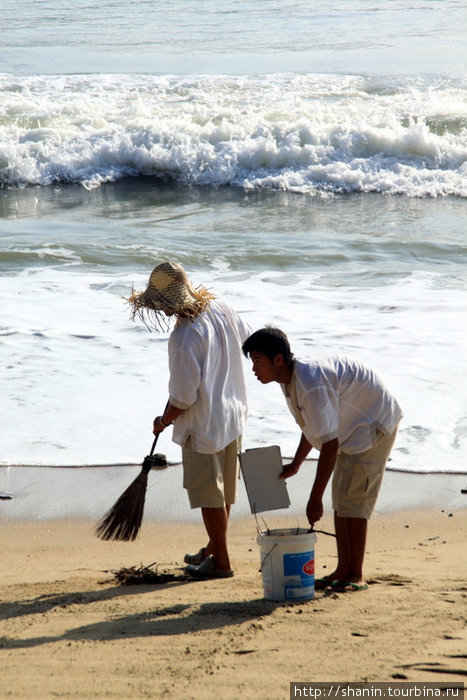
[169, 292]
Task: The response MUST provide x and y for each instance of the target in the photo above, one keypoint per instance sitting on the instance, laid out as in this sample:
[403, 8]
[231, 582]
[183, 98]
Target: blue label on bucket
[300, 564]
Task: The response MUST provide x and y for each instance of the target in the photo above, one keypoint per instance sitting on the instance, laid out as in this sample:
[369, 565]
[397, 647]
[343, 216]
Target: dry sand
[68, 629]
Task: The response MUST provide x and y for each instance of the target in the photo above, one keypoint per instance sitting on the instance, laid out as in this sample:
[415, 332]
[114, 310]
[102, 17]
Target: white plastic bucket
[288, 563]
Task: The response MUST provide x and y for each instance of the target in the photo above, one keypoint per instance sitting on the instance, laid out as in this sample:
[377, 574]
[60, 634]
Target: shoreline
[68, 629]
[178, 463]
[50, 493]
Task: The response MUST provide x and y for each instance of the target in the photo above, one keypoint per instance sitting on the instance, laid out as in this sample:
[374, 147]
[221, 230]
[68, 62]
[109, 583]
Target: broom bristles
[123, 521]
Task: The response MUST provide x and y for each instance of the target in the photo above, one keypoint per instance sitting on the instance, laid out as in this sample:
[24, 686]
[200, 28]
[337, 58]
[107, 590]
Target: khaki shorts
[357, 479]
[211, 479]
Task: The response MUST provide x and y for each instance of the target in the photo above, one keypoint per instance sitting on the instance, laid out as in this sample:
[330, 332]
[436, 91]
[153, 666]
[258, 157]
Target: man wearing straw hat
[207, 400]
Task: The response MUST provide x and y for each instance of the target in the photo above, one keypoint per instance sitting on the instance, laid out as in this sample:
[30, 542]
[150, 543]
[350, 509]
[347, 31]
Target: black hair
[270, 341]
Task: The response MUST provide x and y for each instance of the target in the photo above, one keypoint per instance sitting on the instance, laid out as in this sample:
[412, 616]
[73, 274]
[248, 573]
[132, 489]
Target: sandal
[195, 559]
[208, 570]
[348, 586]
[323, 582]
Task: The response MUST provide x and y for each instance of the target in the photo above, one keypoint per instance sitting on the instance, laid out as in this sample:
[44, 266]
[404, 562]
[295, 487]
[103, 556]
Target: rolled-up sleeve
[321, 415]
[185, 376]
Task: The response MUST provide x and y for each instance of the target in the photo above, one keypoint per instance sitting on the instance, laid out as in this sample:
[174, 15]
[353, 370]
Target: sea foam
[82, 384]
[299, 133]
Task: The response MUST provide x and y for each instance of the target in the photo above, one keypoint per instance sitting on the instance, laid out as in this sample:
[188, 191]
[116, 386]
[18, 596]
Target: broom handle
[154, 444]
[157, 436]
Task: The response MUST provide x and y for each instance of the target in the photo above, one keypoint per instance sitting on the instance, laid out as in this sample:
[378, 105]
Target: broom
[123, 521]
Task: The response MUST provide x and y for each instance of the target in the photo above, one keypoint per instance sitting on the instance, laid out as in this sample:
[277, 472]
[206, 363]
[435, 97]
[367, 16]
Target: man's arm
[168, 417]
[303, 449]
[326, 463]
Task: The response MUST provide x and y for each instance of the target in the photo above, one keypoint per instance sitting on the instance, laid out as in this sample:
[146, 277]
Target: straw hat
[169, 292]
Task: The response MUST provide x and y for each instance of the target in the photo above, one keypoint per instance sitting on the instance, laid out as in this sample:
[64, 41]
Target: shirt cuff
[327, 438]
[178, 404]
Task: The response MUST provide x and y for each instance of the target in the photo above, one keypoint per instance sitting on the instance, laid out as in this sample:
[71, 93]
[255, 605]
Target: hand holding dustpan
[123, 521]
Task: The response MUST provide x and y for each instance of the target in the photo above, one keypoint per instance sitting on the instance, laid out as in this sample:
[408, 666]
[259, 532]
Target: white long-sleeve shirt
[341, 398]
[207, 378]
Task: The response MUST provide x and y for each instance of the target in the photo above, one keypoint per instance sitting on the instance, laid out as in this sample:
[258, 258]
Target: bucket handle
[323, 532]
[267, 555]
[258, 529]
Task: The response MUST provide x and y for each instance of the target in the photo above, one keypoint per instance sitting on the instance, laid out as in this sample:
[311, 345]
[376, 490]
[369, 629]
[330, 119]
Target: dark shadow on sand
[45, 603]
[166, 621]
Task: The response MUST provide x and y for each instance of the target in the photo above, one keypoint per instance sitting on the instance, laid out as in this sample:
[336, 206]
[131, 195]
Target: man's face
[264, 369]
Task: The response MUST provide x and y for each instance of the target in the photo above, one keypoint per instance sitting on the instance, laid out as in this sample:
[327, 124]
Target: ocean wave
[298, 133]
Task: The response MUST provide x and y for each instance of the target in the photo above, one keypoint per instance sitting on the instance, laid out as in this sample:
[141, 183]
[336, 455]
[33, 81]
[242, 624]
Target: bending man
[346, 412]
